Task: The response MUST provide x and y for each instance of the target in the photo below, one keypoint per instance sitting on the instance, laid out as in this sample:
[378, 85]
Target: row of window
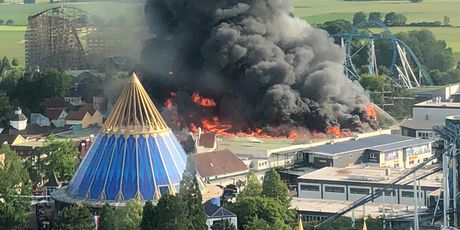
[360, 191]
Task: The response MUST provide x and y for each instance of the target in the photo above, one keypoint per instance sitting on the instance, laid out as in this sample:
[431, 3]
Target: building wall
[39, 119]
[355, 190]
[348, 159]
[232, 220]
[434, 113]
[19, 125]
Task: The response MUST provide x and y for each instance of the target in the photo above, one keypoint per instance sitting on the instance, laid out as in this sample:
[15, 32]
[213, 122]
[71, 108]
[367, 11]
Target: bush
[9, 22]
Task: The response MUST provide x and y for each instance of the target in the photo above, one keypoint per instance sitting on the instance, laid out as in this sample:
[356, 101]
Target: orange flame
[333, 130]
[201, 101]
[169, 103]
[214, 125]
[370, 110]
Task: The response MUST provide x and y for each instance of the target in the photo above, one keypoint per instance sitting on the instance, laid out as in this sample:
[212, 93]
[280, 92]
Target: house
[216, 213]
[56, 116]
[2, 159]
[220, 167]
[18, 121]
[56, 103]
[84, 117]
[11, 139]
[39, 119]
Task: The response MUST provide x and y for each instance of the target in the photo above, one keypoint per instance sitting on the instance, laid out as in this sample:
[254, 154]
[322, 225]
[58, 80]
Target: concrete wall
[334, 195]
[310, 190]
[436, 114]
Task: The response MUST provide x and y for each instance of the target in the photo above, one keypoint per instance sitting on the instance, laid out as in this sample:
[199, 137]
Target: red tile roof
[80, 113]
[218, 163]
[55, 103]
[53, 114]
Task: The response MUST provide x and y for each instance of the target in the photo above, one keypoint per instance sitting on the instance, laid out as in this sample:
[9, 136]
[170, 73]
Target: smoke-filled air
[245, 65]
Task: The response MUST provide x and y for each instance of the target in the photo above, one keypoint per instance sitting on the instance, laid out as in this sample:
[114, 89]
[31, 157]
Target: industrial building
[427, 114]
[383, 150]
[350, 184]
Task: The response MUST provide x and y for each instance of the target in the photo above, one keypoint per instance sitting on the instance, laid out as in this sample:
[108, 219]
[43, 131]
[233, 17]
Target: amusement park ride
[402, 70]
[404, 62]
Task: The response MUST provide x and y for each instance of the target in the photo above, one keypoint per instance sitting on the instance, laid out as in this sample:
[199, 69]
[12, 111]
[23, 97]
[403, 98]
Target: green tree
[6, 109]
[14, 189]
[148, 216]
[14, 62]
[223, 225]
[248, 208]
[5, 64]
[190, 195]
[395, 19]
[416, 1]
[1, 20]
[375, 17]
[61, 158]
[170, 214]
[252, 186]
[121, 218]
[275, 188]
[446, 21]
[257, 224]
[9, 81]
[74, 217]
[373, 82]
[359, 18]
[9, 22]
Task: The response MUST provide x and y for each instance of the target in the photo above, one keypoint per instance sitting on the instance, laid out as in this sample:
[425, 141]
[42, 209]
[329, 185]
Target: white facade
[210, 221]
[19, 122]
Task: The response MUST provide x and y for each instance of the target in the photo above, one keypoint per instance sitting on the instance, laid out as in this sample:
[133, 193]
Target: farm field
[12, 42]
[319, 11]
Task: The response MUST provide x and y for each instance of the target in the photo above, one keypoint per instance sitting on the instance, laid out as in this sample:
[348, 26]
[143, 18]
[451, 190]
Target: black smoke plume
[261, 65]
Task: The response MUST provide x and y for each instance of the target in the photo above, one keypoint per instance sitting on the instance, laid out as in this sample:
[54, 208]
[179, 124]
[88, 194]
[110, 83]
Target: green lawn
[12, 42]
[106, 10]
[319, 11]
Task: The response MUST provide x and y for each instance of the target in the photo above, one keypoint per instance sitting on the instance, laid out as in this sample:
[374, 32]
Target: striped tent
[135, 156]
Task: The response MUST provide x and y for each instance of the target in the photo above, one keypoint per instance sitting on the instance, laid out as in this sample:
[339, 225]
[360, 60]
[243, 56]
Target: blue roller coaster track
[362, 32]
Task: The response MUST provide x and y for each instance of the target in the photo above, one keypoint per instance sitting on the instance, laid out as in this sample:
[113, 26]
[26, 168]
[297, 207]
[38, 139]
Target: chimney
[387, 172]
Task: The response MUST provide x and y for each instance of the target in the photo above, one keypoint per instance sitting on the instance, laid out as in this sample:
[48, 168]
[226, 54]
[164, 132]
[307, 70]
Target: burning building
[249, 67]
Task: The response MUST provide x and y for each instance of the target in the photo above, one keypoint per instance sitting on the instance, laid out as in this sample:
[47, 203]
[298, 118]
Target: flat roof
[333, 206]
[383, 142]
[431, 104]
[370, 175]
[421, 124]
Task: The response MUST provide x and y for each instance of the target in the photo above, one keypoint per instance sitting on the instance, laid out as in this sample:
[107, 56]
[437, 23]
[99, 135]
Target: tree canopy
[122, 218]
[61, 159]
[252, 186]
[74, 217]
[275, 188]
[14, 187]
[359, 18]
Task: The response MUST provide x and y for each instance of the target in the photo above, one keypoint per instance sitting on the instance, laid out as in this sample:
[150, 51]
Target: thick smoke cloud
[263, 66]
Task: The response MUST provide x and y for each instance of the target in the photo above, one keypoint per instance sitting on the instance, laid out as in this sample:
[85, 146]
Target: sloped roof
[214, 211]
[218, 163]
[8, 138]
[55, 103]
[18, 117]
[81, 112]
[207, 140]
[53, 114]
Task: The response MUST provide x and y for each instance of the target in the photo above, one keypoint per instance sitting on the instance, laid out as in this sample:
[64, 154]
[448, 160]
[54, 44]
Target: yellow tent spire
[134, 112]
[364, 225]
[300, 227]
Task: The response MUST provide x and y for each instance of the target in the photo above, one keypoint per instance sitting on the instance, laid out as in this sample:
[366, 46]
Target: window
[305, 187]
[407, 194]
[372, 155]
[363, 191]
[334, 189]
[396, 165]
[351, 156]
[411, 162]
[340, 158]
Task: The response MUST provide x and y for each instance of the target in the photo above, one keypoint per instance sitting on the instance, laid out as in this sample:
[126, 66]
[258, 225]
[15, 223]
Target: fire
[169, 103]
[370, 110]
[201, 101]
[214, 125]
[333, 130]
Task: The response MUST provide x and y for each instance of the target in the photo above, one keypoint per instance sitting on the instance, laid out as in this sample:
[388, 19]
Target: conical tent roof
[135, 156]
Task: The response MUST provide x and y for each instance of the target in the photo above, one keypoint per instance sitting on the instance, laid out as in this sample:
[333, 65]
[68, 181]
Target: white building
[350, 184]
[427, 114]
[18, 121]
[216, 213]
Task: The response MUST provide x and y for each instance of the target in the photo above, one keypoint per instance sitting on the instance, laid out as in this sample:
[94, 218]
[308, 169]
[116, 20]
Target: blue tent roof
[135, 156]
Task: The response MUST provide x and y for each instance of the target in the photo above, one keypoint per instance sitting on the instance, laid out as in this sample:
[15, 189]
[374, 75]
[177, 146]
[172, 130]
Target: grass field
[12, 42]
[319, 11]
